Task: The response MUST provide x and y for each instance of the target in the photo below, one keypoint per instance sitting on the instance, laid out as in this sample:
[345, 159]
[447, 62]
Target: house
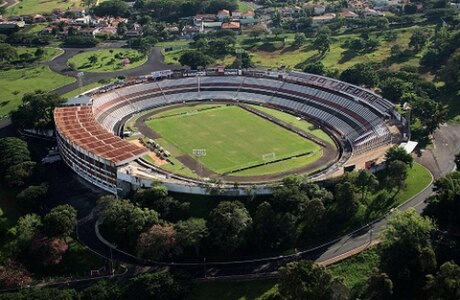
[233, 25]
[133, 33]
[249, 21]
[369, 12]
[106, 31]
[209, 26]
[319, 20]
[200, 18]
[38, 19]
[190, 31]
[248, 14]
[8, 25]
[348, 14]
[319, 10]
[237, 14]
[82, 21]
[223, 14]
[87, 32]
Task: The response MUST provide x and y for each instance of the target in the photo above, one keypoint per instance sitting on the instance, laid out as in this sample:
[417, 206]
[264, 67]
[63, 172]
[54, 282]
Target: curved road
[59, 65]
[439, 159]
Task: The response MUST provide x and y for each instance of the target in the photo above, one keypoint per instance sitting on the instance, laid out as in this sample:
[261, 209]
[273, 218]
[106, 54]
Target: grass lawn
[107, 61]
[31, 7]
[418, 178]
[48, 55]
[85, 88]
[244, 6]
[16, 82]
[35, 28]
[172, 43]
[242, 290]
[229, 144]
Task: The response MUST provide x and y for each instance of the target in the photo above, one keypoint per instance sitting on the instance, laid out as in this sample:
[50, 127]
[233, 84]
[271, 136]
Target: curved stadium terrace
[89, 127]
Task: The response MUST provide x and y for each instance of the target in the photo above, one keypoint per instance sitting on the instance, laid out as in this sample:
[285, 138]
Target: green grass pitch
[233, 138]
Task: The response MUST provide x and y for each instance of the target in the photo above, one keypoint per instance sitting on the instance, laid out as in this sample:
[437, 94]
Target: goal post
[268, 156]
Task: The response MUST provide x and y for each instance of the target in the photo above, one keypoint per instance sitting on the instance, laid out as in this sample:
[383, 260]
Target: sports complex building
[231, 130]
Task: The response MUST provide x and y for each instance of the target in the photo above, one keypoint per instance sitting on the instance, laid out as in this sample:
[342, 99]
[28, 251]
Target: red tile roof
[77, 124]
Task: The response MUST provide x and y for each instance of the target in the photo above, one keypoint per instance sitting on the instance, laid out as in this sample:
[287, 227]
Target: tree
[124, 218]
[229, 223]
[36, 110]
[243, 60]
[306, 280]
[396, 51]
[47, 251]
[393, 88]
[365, 181]
[195, 59]
[322, 43]
[17, 175]
[146, 196]
[7, 53]
[33, 197]
[27, 227]
[157, 242]
[299, 40]
[405, 248]
[445, 284]
[378, 287]
[430, 113]
[14, 275]
[418, 39]
[398, 153]
[360, 74]
[60, 221]
[397, 174]
[444, 206]
[191, 232]
[315, 68]
[347, 204]
[450, 72]
[92, 59]
[114, 8]
[156, 286]
[13, 151]
[101, 290]
[39, 52]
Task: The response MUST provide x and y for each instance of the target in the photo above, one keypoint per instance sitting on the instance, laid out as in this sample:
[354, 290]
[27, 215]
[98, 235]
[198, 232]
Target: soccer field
[233, 137]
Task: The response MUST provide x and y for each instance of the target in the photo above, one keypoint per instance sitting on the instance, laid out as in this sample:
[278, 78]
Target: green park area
[107, 60]
[31, 7]
[49, 53]
[272, 51]
[17, 82]
[232, 145]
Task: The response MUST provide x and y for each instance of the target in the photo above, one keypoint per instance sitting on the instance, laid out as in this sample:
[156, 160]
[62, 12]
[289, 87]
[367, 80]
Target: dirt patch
[158, 161]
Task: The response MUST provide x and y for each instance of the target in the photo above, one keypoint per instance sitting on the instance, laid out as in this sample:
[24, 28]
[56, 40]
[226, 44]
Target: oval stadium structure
[90, 128]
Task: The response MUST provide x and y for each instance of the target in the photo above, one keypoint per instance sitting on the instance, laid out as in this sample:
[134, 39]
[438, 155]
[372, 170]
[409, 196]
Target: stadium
[231, 131]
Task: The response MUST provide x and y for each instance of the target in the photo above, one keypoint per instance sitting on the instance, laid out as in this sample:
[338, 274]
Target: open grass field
[17, 82]
[30, 7]
[108, 60]
[229, 144]
[47, 56]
